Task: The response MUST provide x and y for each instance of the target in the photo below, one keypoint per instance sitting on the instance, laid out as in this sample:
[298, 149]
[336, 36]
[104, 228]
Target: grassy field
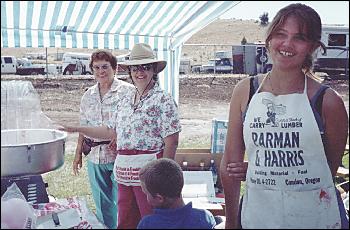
[62, 183]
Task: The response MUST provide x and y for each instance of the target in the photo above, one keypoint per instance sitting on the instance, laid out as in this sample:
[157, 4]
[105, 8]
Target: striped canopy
[165, 25]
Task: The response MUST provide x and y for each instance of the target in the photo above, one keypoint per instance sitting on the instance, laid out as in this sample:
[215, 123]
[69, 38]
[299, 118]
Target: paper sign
[199, 189]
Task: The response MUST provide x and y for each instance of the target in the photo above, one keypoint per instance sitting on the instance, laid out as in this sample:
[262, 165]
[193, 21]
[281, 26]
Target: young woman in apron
[289, 177]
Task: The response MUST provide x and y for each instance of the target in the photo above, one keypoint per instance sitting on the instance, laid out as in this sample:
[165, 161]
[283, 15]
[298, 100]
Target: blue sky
[331, 12]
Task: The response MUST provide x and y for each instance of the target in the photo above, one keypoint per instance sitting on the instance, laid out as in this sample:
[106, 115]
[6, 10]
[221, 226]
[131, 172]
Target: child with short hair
[162, 181]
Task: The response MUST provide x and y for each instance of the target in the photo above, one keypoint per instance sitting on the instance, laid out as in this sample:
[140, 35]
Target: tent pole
[47, 66]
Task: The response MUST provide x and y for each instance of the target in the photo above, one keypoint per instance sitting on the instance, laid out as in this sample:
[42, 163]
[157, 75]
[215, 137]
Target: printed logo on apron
[272, 111]
[289, 183]
[126, 168]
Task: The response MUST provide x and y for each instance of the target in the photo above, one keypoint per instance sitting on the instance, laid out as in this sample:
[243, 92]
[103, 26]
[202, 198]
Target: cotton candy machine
[30, 146]
[31, 151]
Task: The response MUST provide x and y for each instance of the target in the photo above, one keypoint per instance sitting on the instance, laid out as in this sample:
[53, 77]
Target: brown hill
[229, 32]
[221, 35]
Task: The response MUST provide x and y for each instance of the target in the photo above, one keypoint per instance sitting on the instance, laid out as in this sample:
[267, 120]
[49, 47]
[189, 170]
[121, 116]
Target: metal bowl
[31, 151]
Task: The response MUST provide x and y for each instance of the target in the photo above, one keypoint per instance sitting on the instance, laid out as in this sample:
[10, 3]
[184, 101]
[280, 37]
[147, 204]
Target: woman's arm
[234, 153]
[170, 147]
[78, 161]
[238, 170]
[102, 132]
[336, 122]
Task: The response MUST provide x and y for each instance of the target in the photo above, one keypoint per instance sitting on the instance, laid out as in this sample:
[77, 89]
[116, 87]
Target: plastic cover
[20, 107]
[16, 212]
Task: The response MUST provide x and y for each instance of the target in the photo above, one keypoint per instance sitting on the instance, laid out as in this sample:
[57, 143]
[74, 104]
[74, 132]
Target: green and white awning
[165, 25]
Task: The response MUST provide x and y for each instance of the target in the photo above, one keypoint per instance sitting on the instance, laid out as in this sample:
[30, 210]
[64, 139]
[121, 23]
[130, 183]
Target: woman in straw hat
[146, 127]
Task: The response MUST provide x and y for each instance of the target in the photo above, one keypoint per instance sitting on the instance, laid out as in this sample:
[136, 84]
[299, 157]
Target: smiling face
[104, 66]
[289, 45]
[142, 74]
[103, 71]
[292, 37]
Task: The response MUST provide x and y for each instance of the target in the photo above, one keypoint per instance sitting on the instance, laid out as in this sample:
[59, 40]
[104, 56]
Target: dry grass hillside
[229, 32]
[223, 33]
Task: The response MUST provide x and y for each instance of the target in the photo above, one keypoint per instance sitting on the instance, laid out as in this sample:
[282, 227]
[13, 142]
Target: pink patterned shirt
[95, 111]
[143, 126]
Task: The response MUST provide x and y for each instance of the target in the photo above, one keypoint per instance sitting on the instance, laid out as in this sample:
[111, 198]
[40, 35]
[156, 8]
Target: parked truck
[13, 65]
[220, 65]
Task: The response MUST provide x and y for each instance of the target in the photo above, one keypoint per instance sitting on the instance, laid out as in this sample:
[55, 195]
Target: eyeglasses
[100, 67]
[146, 67]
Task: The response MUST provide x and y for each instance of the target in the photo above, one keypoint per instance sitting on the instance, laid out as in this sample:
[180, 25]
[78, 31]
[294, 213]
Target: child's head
[162, 182]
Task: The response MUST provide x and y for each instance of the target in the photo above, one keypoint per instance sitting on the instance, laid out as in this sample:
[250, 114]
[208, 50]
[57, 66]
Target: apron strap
[263, 81]
[139, 152]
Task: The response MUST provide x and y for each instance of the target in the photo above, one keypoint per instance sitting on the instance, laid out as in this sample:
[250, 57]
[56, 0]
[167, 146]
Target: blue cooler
[218, 135]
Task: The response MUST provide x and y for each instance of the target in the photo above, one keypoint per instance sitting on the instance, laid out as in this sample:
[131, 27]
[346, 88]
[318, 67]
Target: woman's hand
[66, 128]
[238, 170]
[77, 163]
[112, 145]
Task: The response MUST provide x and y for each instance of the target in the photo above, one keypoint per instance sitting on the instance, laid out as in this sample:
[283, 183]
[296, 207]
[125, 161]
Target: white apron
[126, 168]
[289, 183]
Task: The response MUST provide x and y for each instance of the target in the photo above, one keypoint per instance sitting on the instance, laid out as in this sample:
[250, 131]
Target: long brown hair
[307, 18]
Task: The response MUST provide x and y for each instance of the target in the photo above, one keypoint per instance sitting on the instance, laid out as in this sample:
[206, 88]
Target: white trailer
[336, 57]
[52, 69]
[76, 63]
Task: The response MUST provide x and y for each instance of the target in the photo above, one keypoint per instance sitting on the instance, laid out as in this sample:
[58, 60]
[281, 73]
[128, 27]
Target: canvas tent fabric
[165, 25]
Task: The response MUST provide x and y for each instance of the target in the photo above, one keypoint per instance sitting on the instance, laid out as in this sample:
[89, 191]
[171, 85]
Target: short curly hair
[103, 55]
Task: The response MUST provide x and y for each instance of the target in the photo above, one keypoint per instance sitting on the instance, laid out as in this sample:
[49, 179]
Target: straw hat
[142, 54]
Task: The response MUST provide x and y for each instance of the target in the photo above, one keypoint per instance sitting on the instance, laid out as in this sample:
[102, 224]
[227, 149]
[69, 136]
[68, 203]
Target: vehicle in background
[40, 56]
[221, 65]
[20, 66]
[196, 68]
[185, 66]
[223, 54]
[251, 59]
[53, 69]
[76, 64]
[336, 58]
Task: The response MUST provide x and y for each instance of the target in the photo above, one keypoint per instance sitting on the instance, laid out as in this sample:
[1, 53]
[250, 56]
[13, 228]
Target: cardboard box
[218, 135]
[194, 156]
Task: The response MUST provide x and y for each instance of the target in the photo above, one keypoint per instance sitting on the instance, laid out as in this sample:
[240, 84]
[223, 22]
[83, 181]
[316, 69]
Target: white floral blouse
[97, 111]
[144, 125]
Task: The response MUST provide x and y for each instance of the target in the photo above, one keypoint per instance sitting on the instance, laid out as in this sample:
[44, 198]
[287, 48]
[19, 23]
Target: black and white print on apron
[289, 183]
